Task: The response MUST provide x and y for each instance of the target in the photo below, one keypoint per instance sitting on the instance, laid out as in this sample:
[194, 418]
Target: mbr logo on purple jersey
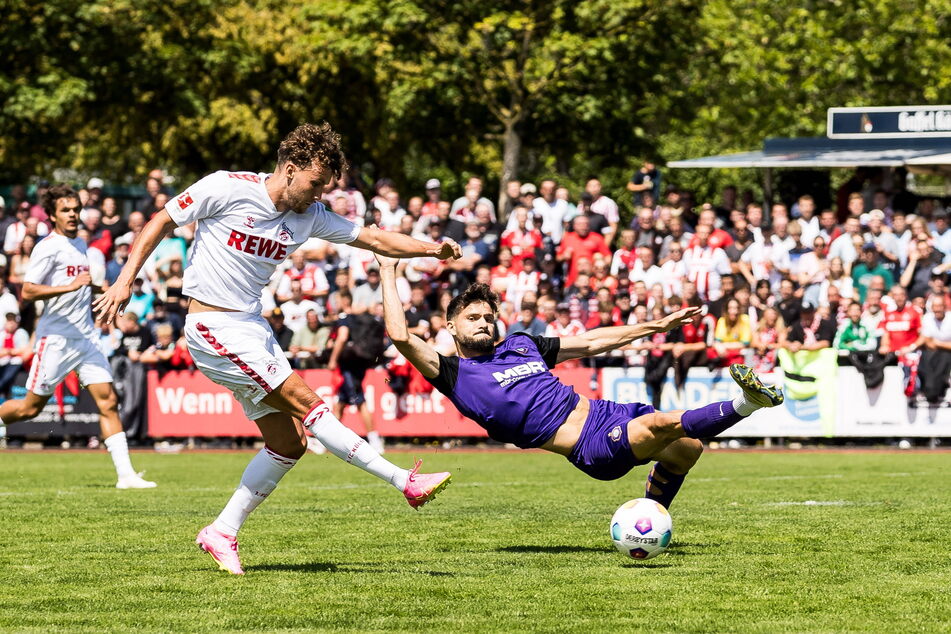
[518, 372]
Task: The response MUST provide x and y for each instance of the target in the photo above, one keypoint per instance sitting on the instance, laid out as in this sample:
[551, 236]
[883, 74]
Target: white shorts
[238, 351]
[56, 356]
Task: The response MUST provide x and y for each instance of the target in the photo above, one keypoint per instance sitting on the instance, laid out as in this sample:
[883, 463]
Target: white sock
[346, 445]
[3, 430]
[119, 450]
[258, 480]
[373, 436]
[743, 407]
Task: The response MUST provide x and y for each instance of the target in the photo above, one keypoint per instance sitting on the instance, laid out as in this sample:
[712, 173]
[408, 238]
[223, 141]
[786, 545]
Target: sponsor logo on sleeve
[185, 201]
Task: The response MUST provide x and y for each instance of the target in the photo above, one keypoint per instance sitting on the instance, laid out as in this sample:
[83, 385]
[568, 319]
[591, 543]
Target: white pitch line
[823, 503]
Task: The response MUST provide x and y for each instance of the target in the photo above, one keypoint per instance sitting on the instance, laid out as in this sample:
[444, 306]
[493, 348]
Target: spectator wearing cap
[810, 331]
[885, 241]
[935, 364]
[526, 195]
[579, 244]
[868, 268]
[282, 333]
[120, 253]
[433, 197]
[94, 186]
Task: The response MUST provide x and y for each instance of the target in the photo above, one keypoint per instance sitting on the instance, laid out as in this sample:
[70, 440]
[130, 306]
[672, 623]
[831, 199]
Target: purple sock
[709, 420]
[665, 481]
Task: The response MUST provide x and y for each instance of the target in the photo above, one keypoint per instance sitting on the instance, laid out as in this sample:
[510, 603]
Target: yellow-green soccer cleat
[755, 390]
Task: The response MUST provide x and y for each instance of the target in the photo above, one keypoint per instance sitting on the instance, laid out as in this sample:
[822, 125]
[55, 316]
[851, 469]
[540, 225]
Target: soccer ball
[641, 528]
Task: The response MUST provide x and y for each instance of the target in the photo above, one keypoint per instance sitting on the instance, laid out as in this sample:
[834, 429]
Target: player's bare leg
[114, 437]
[296, 399]
[13, 411]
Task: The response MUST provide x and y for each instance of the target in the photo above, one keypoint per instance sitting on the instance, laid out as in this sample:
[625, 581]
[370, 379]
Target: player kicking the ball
[507, 388]
[66, 340]
[247, 224]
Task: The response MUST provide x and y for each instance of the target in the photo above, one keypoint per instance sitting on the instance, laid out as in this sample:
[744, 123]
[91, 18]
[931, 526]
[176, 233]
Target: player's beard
[479, 346]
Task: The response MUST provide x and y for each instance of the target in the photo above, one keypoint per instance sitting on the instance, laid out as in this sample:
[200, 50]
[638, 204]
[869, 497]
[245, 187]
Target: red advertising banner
[185, 404]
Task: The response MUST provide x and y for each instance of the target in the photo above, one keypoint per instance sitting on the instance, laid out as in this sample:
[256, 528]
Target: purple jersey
[510, 392]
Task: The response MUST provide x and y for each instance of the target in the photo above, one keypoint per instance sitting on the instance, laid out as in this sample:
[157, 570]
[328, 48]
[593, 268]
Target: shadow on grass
[329, 567]
[647, 564]
[550, 549]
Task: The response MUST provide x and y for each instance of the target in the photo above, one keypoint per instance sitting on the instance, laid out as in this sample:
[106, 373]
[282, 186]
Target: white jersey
[241, 237]
[56, 261]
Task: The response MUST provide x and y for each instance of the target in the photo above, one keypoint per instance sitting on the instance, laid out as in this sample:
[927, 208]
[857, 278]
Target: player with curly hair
[247, 224]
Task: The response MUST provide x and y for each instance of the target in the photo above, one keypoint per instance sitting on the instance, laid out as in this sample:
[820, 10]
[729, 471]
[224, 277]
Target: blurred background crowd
[866, 274]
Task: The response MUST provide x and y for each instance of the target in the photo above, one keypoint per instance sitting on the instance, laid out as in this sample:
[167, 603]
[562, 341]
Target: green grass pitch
[518, 542]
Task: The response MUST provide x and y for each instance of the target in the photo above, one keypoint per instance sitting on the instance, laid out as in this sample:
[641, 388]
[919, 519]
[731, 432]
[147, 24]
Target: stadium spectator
[552, 211]
[922, 261]
[605, 207]
[358, 346]
[646, 179]
[295, 309]
[141, 301]
[369, 294]
[282, 333]
[133, 338]
[732, 335]
[867, 270]
[810, 331]
[696, 341]
[901, 325]
[706, 264]
[528, 322]
[581, 243]
[768, 336]
[853, 334]
[935, 363]
[309, 342]
[15, 348]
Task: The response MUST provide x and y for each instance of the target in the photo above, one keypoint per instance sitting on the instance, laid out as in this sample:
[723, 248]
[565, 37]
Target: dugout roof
[918, 154]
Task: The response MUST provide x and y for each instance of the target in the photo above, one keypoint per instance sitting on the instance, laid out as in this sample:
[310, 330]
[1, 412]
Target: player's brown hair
[475, 293]
[53, 194]
[310, 145]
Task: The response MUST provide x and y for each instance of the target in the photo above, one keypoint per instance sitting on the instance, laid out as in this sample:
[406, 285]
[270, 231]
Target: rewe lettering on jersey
[73, 271]
[257, 245]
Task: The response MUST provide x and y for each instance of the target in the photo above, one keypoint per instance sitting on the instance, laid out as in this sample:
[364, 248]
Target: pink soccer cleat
[222, 548]
[423, 487]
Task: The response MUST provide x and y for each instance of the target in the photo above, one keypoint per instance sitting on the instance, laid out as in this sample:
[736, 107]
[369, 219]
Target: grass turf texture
[518, 542]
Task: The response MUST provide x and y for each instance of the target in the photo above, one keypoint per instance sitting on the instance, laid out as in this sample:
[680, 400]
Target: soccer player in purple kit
[507, 387]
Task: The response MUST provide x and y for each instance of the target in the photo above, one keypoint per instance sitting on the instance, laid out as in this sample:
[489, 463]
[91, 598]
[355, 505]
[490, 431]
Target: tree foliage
[420, 88]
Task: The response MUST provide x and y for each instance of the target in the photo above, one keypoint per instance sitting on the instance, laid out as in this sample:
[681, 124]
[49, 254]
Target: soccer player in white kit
[247, 224]
[66, 340]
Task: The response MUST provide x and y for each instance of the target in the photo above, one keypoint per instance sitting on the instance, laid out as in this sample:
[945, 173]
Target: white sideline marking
[823, 503]
[806, 477]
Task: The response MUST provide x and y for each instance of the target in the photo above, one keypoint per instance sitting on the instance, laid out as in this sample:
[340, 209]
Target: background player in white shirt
[66, 340]
[246, 225]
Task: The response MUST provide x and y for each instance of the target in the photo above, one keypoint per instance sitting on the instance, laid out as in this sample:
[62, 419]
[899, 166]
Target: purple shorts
[603, 450]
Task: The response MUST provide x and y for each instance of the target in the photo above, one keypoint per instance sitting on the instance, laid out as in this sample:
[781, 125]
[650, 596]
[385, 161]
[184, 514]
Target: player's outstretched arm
[417, 351]
[397, 245]
[604, 339]
[111, 303]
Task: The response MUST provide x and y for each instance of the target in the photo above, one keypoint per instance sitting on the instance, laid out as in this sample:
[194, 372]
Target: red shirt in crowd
[719, 239]
[522, 244]
[580, 248]
[903, 326]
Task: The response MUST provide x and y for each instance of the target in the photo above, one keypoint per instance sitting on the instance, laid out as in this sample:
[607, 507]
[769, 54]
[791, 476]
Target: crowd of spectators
[867, 276]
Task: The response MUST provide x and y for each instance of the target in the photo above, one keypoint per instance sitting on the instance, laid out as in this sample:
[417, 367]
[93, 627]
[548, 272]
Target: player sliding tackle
[246, 225]
[507, 388]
